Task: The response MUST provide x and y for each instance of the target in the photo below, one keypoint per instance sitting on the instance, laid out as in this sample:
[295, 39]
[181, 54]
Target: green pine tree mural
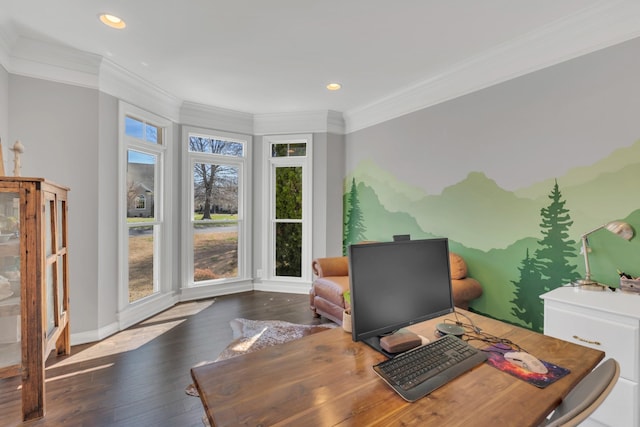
[353, 228]
[528, 307]
[556, 247]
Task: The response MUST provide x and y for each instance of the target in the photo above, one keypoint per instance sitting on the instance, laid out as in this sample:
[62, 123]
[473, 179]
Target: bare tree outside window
[215, 181]
[215, 208]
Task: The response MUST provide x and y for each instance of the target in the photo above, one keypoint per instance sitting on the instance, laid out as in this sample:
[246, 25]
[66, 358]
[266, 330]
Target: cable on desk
[474, 333]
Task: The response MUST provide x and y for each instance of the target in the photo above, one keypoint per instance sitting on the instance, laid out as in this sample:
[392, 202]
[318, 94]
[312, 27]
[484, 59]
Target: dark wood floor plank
[137, 377]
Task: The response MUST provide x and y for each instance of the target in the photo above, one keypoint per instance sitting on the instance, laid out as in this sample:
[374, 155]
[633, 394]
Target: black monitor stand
[374, 342]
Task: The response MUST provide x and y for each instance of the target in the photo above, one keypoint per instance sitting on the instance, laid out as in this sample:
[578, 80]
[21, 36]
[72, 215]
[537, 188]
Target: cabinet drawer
[620, 408]
[616, 339]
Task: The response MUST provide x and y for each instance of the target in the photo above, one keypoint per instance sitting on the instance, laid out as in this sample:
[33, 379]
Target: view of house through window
[144, 154]
[216, 219]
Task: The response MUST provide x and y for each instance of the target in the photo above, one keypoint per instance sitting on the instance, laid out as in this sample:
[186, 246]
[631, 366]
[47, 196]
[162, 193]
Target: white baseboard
[95, 335]
[146, 308]
[282, 286]
[208, 291]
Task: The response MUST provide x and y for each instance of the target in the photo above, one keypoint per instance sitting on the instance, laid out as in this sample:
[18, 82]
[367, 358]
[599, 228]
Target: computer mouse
[526, 361]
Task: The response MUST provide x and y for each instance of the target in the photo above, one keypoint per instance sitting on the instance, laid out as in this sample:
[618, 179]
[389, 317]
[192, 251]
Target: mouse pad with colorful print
[497, 360]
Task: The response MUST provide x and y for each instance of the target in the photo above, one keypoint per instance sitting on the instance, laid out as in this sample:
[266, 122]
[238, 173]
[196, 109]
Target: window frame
[243, 163]
[161, 227]
[270, 165]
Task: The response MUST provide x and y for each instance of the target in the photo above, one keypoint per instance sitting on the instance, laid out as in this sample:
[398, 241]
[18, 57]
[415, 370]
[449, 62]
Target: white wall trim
[208, 291]
[281, 286]
[299, 122]
[604, 24]
[95, 335]
[210, 117]
[7, 39]
[335, 122]
[62, 64]
[146, 308]
[601, 26]
[126, 86]
[47, 61]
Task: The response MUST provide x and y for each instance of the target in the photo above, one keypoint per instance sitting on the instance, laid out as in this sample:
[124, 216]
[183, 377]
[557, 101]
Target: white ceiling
[275, 56]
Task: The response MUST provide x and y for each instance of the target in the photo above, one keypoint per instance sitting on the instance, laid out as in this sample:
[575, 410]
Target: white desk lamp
[618, 228]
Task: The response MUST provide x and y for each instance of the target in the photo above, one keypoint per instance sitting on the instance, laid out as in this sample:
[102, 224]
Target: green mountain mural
[467, 209]
[380, 224]
[461, 211]
[607, 197]
[619, 159]
[499, 232]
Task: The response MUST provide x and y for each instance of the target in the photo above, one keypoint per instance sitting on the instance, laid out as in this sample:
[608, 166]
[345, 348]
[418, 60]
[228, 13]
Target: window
[217, 229]
[289, 149]
[143, 138]
[140, 202]
[143, 131]
[289, 189]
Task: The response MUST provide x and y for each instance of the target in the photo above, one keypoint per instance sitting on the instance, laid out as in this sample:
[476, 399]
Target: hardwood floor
[137, 377]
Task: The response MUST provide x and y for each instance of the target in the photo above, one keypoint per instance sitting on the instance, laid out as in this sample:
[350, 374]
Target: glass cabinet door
[55, 252]
[10, 328]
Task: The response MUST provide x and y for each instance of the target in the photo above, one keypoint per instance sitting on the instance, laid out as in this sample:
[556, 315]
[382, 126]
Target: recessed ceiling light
[112, 21]
[334, 86]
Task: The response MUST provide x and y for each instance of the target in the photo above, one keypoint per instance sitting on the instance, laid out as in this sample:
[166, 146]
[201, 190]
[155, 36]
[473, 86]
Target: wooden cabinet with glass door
[34, 283]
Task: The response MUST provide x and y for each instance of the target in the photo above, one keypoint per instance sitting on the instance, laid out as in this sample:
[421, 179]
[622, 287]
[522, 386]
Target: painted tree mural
[528, 307]
[354, 228]
[549, 268]
[556, 247]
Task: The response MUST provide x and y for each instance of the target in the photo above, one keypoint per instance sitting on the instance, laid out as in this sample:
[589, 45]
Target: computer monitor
[397, 284]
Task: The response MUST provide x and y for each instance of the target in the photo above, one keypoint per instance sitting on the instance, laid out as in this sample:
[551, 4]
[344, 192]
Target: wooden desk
[326, 379]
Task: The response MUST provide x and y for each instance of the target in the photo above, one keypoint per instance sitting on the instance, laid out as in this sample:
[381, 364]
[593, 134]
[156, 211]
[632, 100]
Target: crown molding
[209, 117]
[42, 60]
[62, 64]
[603, 25]
[129, 87]
[47, 61]
[335, 122]
[7, 38]
[310, 121]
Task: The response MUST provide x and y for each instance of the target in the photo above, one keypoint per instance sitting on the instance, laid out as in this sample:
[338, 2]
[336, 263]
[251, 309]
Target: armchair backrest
[331, 266]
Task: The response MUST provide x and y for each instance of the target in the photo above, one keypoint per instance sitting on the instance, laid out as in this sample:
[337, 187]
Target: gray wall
[107, 278]
[332, 203]
[58, 125]
[328, 172]
[538, 125]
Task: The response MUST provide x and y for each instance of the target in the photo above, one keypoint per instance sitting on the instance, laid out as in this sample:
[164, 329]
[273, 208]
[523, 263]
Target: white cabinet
[608, 321]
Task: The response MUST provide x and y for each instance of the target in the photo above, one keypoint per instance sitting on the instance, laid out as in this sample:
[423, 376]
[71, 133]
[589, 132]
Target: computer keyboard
[418, 372]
